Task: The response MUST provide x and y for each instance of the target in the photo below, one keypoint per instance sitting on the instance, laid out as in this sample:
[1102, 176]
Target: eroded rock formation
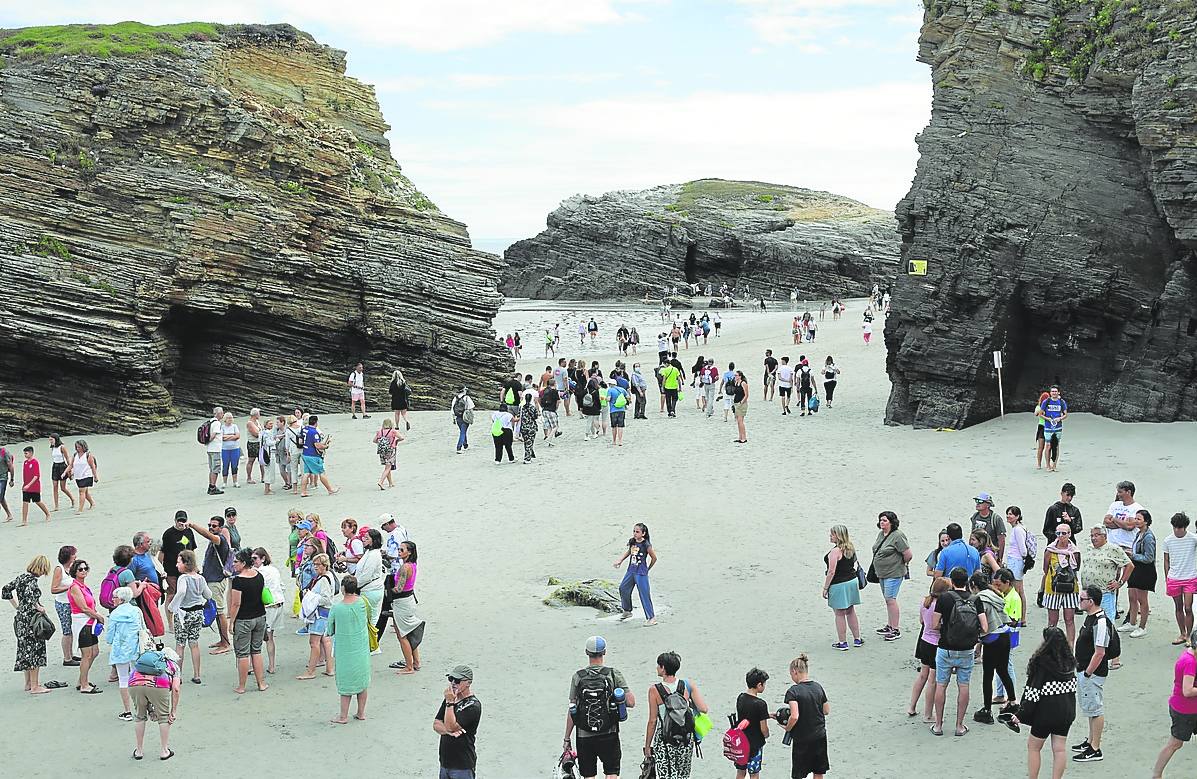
[199, 214]
[1056, 205]
[624, 244]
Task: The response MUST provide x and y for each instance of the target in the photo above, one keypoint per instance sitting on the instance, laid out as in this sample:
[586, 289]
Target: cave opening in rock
[691, 266]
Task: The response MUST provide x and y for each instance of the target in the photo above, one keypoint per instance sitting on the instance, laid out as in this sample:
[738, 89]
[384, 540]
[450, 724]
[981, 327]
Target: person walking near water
[831, 375]
[400, 392]
[357, 391]
[770, 380]
[640, 390]
[729, 389]
[31, 486]
[641, 558]
[671, 382]
[617, 402]
[502, 430]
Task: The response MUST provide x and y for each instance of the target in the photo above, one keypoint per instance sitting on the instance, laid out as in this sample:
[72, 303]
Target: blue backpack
[209, 612]
[813, 404]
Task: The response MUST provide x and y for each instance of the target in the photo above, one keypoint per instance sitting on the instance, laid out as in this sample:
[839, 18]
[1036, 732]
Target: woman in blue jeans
[641, 558]
[462, 408]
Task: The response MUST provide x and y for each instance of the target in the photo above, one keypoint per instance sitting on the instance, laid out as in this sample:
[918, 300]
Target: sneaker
[1138, 632]
[1090, 755]
[1081, 747]
[355, 416]
[842, 646]
[983, 716]
[1126, 627]
[893, 635]
[303, 631]
[858, 643]
[125, 716]
[881, 631]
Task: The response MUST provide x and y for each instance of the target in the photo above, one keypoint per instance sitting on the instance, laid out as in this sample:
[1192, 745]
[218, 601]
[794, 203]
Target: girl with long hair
[1048, 701]
[841, 589]
[641, 558]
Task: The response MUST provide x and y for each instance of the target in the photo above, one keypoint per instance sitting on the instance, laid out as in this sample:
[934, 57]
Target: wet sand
[740, 532]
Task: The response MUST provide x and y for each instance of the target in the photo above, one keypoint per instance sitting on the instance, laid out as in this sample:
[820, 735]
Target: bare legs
[845, 619]
[32, 685]
[243, 666]
[893, 616]
[1034, 756]
[1053, 617]
[920, 683]
[61, 486]
[89, 655]
[1166, 754]
[195, 658]
[84, 497]
[360, 714]
[163, 737]
[1138, 610]
[318, 645]
[1184, 613]
[387, 470]
[941, 694]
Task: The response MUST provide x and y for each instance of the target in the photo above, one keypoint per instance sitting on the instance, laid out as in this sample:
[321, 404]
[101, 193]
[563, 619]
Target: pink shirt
[1186, 665]
[927, 615]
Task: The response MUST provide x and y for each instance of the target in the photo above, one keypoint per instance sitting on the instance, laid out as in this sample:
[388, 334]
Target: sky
[500, 109]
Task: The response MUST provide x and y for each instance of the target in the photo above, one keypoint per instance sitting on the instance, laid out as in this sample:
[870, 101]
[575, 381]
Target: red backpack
[148, 602]
[735, 743]
[108, 586]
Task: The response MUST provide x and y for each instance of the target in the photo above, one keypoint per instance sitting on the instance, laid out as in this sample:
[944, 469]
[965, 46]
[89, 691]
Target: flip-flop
[93, 690]
[137, 756]
[1178, 641]
[55, 685]
[936, 731]
[963, 731]
[169, 754]
[397, 664]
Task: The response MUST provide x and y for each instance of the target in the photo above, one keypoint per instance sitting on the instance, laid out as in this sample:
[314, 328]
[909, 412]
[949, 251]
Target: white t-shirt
[1182, 556]
[867, 327]
[1116, 535]
[785, 376]
[393, 539]
[215, 438]
[353, 548]
[357, 380]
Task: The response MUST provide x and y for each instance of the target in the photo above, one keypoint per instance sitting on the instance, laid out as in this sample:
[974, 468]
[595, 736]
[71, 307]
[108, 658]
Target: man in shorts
[549, 399]
[1054, 411]
[785, 384]
[357, 391]
[1180, 567]
[7, 479]
[561, 382]
[770, 380]
[215, 439]
[729, 389]
[618, 399]
[31, 486]
[953, 656]
[599, 742]
[216, 563]
[1092, 668]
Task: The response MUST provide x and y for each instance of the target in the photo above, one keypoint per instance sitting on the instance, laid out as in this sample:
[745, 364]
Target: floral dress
[31, 651]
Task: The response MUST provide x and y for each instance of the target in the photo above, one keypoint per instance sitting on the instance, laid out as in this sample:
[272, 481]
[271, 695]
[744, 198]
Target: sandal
[936, 731]
[962, 731]
[92, 690]
[55, 685]
[137, 756]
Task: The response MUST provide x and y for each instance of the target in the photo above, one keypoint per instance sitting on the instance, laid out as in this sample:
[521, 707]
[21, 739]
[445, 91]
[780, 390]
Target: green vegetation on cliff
[125, 39]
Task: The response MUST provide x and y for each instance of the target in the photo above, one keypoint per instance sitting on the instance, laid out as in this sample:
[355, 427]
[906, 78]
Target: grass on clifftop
[125, 39]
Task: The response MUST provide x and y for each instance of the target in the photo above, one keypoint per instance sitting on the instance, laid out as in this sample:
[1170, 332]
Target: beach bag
[677, 720]
[371, 628]
[862, 579]
[496, 428]
[735, 742]
[43, 627]
[813, 404]
[386, 447]
[964, 624]
[209, 612]
[148, 603]
[204, 433]
[596, 692]
[108, 586]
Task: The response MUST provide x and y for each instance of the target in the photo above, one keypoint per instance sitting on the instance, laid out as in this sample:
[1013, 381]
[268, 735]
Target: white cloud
[807, 23]
[857, 142]
[425, 25]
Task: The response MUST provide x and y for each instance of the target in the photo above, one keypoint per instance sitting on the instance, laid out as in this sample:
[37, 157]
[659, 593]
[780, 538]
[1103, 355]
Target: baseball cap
[230, 511]
[385, 519]
[180, 516]
[984, 497]
[596, 645]
[304, 525]
[461, 672]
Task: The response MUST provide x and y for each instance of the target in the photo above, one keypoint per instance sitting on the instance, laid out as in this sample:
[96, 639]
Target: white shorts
[357, 394]
[274, 614]
[728, 402]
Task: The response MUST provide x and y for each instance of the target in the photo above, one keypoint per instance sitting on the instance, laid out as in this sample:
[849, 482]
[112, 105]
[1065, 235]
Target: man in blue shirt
[1054, 411]
[957, 554]
[729, 380]
[315, 444]
[142, 564]
[618, 399]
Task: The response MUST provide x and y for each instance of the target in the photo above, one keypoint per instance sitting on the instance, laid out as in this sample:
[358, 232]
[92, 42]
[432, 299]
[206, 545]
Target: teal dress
[351, 646]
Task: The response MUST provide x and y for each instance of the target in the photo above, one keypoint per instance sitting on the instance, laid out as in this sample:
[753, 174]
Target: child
[749, 706]
[31, 488]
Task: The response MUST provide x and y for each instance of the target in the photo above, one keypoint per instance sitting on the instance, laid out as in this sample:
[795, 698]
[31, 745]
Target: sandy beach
[740, 532]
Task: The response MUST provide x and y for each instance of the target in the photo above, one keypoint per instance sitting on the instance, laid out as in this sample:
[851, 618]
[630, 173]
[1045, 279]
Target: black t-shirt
[512, 391]
[250, 588]
[812, 724]
[944, 607]
[173, 542]
[549, 398]
[1054, 517]
[770, 365]
[458, 752]
[738, 393]
[756, 711]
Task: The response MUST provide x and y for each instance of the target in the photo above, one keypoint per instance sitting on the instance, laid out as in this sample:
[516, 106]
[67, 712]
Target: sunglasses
[1085, 597]
[454, 681]
[83, 568]
[1062, 533]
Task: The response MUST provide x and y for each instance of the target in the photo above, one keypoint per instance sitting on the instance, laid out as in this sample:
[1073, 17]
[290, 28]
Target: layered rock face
[198, 214]
[1056, 205]
[765, 236]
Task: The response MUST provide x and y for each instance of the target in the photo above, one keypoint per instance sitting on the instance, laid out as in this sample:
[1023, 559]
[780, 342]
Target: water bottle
[620, 705]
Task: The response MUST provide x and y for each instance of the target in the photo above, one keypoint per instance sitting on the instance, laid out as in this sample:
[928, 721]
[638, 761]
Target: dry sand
[740, 532]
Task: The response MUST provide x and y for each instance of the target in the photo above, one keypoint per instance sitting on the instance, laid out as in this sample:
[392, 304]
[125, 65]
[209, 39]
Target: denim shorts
[890, 587]
[959, 659]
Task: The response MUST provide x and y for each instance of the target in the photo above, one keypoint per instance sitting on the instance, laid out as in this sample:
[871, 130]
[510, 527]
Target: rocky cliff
[1056, 205]
[624, 244]
[200, 214]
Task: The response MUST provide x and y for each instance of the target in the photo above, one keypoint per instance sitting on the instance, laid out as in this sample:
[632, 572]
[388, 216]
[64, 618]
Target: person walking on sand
[1180, 567]
[593, 329]
[785, 384]
[31, 486]
[1040, 438]
[1182, 706]
[8, 479]
[386, 442]
[400, 392]
[740, 407]
[529, 415]
[462, 409]
[1054, 411]
[831, 376]
[617, 401]
[561, 380]
[639, 390]
[752, 709]
[807, 723]
[59, 478]
[549, 349]
[841, 589]
[1093, 643]
[347, 624]
[668, 746]
[728, 389]
[502, 431]
[806, 387]
[671, 382]
[456, 722]
[641, 558]
[86, 474]
[595, 712]
[770, 380]
[357, 391]
[960, 622]
[315, 445]
[866, 331]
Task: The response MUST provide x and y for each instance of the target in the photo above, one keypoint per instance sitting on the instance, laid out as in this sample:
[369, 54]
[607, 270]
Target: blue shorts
[890, 587]
[959, 659]
[313, 464]
[1109, 604]
[753, 766]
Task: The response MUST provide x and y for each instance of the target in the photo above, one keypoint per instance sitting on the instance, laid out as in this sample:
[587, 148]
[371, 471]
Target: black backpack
[964, 624]
[1114, 649]
[459, 405]
[596, 694]
[676, 719]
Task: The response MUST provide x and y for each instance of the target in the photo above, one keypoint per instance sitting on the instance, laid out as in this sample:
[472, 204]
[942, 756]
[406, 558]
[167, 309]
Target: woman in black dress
[1048, 700]
[25, 596]
[1143, 576]
[400, 399]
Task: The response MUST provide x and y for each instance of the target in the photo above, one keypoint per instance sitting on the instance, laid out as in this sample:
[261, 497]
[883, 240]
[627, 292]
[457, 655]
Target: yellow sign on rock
[916, 268]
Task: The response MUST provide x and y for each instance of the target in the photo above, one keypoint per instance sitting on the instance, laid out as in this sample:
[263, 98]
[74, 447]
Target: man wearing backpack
[960, 623]
[1096, 645]
[618, 399]
[217, 569]
[594, 712]
[212, 447]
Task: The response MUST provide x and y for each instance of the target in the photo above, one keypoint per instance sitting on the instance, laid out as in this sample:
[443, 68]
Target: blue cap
[596, 645]
[984, 497]
[303, 525]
